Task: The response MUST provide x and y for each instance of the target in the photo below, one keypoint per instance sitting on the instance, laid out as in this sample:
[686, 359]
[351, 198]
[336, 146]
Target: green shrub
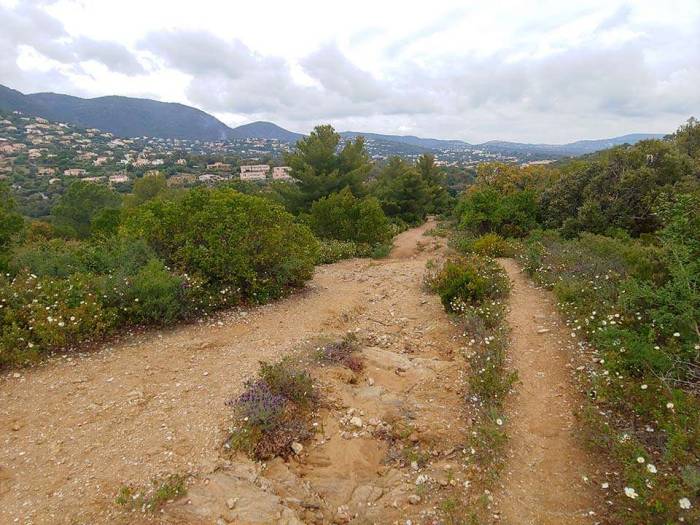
[52, 258]
[231, 241]
[489, 244]
[485, 209]
[333, 250]
[154, 295]
[468, 281]
[381, 251]
[40, 314]
[344, 217]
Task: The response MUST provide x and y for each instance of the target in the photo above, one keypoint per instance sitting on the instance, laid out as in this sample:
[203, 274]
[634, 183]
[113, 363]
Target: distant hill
[407, 139]
[573, 149]
[138, 117]
[581, 147]
[123, 116]
[264, 130]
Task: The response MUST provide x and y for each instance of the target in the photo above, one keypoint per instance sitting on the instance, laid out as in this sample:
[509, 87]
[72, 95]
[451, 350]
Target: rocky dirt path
[393, 439]
[75, 429]
[549, 478]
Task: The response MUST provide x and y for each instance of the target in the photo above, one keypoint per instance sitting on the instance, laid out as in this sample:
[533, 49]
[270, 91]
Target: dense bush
[344, 217]
[38, 314]
[468, 281]
[84, 207]
[154, 295]
[11, 224]
[408, 193]
[332, 250]
[208, 249]
[489, 244]
[486, 209]
[242, 245]
[618, 188]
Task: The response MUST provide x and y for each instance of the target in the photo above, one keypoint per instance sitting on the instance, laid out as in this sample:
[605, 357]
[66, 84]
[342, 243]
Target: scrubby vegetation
[274, 411]
[615, 235]
[342, 352]
[104, 262]
[474, 288]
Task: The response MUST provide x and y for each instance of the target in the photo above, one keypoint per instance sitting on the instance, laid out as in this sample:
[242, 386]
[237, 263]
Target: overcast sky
[531, 71]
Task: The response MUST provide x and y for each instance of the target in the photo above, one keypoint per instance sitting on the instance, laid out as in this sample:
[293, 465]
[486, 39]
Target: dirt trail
[545, 479]
[74, 429]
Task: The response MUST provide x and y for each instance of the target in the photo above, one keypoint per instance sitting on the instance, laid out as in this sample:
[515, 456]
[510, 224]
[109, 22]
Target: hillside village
[40, 159]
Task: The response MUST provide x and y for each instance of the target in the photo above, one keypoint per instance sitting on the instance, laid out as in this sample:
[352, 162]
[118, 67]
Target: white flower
[676, 334]
[631, 493]
[669, 405]
[684, 503]
[651, 468]
[644, 387]
[605, 485]
[640, 459]
[499, 422]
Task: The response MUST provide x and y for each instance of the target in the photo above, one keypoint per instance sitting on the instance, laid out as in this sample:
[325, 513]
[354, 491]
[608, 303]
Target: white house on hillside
[255, 172]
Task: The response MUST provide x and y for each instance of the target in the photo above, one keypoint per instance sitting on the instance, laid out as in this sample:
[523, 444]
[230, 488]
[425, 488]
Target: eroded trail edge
[549, 476]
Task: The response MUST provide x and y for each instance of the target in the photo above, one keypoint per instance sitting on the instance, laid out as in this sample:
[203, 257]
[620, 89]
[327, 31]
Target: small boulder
[356, 422]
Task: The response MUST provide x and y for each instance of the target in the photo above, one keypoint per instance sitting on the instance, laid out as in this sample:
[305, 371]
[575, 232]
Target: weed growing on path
[152, 498]
[474, 289]
[273, 411]
[342, 352]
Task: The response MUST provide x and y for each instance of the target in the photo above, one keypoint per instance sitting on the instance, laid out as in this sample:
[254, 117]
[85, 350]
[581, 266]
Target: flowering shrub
[468, 281]
[172, 258]
[273, 410]
[637, 306]
[474, 288]
[489, 244]
[333, 250]
[39, 314]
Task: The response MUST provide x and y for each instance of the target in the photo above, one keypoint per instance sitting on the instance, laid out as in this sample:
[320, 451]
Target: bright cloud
[535, 71]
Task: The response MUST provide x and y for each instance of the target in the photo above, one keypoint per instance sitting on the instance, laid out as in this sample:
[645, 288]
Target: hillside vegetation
[105, 261]
[617, 238]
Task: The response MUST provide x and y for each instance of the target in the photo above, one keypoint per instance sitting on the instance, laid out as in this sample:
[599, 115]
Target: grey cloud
[113, 55]
[586, 82]
[201, 53]
[338, 75]
[229, 77]
[648, 83]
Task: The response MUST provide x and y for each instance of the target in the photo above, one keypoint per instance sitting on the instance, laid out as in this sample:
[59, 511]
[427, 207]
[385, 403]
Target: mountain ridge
[135, 117]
